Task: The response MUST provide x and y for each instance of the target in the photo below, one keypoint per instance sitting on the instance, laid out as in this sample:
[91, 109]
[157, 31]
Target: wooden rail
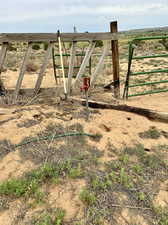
[66, 37]
[53, 37]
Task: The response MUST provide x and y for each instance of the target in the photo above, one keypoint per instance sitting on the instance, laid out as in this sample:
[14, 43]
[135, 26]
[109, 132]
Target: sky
[87, 15]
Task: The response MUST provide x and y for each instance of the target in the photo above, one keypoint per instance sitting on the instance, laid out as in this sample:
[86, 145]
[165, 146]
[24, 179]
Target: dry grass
[32, 66]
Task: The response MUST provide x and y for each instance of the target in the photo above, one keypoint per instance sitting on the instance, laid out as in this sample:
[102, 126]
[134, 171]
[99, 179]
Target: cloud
[82, 10]
[65, 11]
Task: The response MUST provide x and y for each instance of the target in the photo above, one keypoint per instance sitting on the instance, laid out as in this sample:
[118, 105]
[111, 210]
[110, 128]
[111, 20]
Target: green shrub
[11, 47]
[45, 45]
[164, 42]
[51, 218]
[36, 47]
[30, 183]
[152, 133]
[76, 172]
[87, 197]
[59, 216]
[99, 44]
[18, 188]
[139, 43]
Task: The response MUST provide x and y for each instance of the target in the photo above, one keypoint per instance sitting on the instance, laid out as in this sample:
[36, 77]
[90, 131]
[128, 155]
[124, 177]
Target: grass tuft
[152, 133]
[87, 197]
[30, 183]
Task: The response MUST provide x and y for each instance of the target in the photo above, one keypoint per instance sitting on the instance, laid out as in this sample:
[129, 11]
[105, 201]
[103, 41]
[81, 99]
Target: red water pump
[86, 84]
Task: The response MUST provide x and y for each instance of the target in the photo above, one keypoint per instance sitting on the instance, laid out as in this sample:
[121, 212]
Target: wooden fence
[110, 38]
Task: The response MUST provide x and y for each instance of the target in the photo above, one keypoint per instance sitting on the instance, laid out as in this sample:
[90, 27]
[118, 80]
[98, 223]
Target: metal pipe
[150, 56]
[148, 83]
[62, 64]
[147, 93]
[149, 72]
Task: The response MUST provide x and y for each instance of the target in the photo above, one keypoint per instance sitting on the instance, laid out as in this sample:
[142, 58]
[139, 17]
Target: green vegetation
[101, 183]
[36, 46]
[99, 44]
[11, 47]
[87, 197]
[122, 177]
[46, 218]
[29, 184]
[130, 181]
[76, 172]
[152, 133]
[162, 213]
[125, 179]
[45, 45]
[139, 43]
[164, 42]
[137, 168]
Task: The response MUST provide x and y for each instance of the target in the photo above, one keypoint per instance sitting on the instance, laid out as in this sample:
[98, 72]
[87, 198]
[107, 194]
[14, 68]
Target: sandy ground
[116, 127]
[121, 128]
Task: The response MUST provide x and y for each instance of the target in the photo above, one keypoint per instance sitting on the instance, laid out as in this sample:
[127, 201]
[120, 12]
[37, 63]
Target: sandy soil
[118, 128]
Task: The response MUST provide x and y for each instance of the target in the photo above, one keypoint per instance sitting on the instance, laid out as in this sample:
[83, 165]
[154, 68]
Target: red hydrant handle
[86, 84]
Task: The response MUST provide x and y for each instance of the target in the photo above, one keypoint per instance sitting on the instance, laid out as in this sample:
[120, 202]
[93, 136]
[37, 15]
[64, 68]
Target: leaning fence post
[43, 67]
[3, 52]
[115, 60]
[71, 66]
[22, 70]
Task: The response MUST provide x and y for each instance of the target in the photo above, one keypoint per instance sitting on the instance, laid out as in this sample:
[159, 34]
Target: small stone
[105, 127]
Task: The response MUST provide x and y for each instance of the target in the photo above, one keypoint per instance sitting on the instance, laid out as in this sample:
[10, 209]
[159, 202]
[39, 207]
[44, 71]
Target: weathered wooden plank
[22, 71]
[54, 66]
[53, 37]
[71, 66]
[150, 114]
[62, 65]
[100, 63]
[85, 62]
[43, 68]
[3, 54]
[36, 37]
[2, 60]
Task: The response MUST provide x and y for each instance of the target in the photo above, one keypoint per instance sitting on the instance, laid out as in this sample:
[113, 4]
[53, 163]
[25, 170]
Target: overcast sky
[86, 15]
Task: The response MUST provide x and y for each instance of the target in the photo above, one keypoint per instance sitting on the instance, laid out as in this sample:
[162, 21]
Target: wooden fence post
[85, 61]
[43, 67]
[22, 70]
[100, 63]
[71, 66]
[3, 52]
[115, 60]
